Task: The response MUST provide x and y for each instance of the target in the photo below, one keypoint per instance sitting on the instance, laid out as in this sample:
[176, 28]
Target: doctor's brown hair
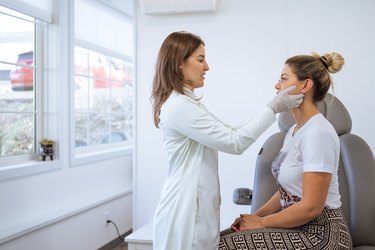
[175, 49]
[317, 68]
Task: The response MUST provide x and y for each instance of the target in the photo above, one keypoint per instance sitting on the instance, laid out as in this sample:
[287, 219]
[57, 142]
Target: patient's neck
[304, 112]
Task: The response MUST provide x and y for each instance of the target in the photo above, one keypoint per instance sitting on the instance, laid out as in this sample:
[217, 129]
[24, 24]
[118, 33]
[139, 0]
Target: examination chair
[356, 173]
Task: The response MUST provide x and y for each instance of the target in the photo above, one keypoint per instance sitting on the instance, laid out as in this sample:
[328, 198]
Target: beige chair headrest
[332, 108]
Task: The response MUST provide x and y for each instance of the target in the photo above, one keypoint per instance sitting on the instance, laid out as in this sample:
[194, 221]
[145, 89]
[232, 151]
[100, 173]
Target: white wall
[247, 43]
[86, 230]
[67, 208]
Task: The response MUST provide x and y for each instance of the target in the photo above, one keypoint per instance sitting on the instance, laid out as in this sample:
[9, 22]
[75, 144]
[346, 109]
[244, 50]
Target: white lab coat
[188, 214]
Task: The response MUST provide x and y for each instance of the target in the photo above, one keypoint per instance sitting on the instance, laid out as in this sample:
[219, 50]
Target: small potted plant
[46, 148]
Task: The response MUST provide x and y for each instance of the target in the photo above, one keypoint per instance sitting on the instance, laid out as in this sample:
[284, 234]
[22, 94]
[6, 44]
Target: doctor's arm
[197, 123]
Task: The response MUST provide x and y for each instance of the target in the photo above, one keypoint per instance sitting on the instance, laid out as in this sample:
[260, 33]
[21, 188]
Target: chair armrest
[242, 196]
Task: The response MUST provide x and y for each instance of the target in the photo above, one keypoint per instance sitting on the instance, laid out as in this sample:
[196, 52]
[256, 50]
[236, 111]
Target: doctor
[187, 216]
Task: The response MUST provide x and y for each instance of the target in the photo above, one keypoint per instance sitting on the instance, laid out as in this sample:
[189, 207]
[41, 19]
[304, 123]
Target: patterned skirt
[327, 231]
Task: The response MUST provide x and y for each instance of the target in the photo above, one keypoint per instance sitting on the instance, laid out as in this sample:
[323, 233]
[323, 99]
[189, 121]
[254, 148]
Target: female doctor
[187, 216]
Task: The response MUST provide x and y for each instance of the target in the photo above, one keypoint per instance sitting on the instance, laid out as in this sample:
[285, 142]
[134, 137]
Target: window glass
[103, 99]
[18, 78]
[103, 86]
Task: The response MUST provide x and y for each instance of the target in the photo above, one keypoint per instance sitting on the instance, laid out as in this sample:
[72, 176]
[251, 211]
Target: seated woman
[305, 212]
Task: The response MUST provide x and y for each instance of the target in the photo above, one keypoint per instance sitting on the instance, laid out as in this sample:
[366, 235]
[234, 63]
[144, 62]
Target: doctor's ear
[307, 86]
[181, 66]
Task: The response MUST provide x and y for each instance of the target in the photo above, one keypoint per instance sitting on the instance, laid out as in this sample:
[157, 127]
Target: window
[103, 99]
[102, 84]
[21, 77]
[28, 86]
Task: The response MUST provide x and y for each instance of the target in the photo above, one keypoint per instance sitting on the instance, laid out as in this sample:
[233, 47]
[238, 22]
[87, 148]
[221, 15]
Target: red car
[21, 78]
[118, 76]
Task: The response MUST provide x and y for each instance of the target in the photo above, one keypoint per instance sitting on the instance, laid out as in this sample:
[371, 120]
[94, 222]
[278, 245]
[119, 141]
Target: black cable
[118, 233]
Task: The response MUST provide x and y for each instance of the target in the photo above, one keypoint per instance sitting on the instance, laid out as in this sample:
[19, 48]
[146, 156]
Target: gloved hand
[284, 102]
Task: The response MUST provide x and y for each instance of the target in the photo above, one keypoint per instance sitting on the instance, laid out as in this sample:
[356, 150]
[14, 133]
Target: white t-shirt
[315, 147]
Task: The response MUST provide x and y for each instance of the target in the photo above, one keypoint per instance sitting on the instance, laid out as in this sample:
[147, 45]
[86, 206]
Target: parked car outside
[21, 78]
[114, 76]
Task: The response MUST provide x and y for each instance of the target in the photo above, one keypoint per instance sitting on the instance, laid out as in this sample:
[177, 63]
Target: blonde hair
[317, 68]
[175, 49]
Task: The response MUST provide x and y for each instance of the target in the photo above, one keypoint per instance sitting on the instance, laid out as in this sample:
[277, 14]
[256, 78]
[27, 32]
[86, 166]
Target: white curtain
[99, 24]
[41, 9]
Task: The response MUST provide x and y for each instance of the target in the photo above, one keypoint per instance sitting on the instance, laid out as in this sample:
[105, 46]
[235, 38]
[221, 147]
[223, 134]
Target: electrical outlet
[106, 215]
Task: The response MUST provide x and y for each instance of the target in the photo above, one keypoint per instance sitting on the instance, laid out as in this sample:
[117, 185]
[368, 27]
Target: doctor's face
[194, 68]
[287, 79]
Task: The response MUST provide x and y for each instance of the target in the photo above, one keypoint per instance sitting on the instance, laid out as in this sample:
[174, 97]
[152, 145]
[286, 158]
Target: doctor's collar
[188, 92]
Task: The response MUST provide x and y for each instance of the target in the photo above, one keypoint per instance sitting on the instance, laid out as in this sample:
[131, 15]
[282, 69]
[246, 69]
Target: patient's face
[287, 79]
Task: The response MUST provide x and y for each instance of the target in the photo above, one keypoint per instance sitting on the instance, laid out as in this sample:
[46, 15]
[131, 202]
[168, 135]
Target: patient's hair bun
[333, 61]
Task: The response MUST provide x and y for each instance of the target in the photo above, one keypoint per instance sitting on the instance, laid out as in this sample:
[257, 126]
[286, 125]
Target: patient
[305, 213]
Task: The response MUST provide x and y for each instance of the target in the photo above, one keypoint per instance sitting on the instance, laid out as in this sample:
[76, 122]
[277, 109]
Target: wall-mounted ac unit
[160, 7]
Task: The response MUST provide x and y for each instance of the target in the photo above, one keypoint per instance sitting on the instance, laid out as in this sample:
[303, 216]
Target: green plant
[46, 141]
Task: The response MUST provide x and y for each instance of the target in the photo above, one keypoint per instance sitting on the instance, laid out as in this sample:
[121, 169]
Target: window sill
[28, 168]
[101, 155]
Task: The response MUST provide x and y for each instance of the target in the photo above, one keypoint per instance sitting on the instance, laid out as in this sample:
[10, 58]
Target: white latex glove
[285, 102]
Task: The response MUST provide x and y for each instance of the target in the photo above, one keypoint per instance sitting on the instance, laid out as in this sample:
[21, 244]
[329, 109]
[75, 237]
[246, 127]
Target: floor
[122, 246]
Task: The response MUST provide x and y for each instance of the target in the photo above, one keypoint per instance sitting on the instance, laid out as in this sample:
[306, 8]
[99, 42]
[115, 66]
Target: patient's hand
[246, 222]
[251, 221]
[236, 224]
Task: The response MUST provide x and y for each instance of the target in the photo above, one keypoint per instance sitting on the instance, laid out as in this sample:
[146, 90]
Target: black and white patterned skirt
[327, 231]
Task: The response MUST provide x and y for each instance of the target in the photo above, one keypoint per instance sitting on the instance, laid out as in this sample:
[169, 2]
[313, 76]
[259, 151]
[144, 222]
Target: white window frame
[17, 166]
[79, 156]
[95, 153]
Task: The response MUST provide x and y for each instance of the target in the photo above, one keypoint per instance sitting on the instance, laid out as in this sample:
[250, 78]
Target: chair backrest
[356, 171]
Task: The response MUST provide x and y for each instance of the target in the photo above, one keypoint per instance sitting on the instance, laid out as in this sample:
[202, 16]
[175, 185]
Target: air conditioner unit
[162, 7]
